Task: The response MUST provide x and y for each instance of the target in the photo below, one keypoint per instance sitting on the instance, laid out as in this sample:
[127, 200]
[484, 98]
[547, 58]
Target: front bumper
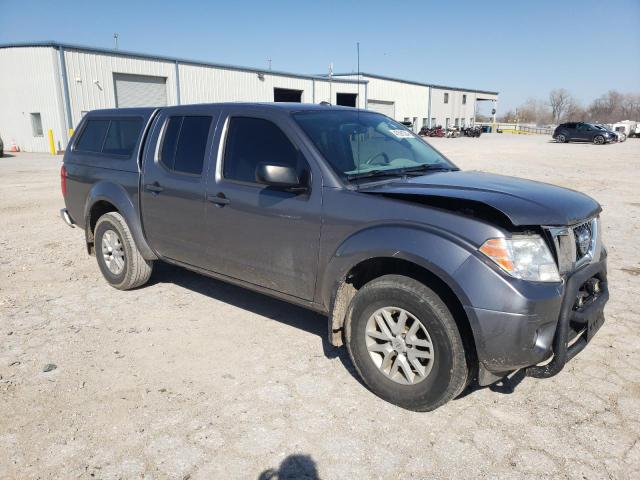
[534, 323]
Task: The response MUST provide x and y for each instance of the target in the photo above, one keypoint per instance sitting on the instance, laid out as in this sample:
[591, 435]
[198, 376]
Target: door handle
[220, 200]
[153, 187]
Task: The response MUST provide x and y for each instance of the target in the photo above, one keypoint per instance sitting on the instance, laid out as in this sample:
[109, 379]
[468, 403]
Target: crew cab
[431, 276]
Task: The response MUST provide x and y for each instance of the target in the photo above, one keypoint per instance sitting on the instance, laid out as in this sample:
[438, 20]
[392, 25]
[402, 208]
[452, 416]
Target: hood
[522, 202]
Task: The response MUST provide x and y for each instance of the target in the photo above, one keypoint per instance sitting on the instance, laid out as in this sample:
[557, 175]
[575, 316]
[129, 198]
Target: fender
[435, 250]
[119, 197]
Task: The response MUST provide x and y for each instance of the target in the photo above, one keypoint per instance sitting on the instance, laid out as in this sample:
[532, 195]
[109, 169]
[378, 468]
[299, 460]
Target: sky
[522, 49]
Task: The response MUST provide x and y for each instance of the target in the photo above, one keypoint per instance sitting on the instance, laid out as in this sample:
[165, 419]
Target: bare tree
[559, 101]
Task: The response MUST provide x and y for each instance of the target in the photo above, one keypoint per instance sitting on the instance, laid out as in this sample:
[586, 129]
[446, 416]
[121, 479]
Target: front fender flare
[436, 251]
[117, 196]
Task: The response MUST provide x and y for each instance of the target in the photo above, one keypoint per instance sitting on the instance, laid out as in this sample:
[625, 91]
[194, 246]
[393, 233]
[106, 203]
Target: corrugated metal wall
[29, 84]
[90, 77]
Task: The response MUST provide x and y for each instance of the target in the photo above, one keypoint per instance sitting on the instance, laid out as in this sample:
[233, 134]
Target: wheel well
[372, 268]
[97, 210]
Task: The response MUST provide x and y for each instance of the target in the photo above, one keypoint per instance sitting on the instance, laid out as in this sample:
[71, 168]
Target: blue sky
[520, 48]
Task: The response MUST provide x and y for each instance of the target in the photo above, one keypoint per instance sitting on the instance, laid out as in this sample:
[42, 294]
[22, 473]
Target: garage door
[380, 106]
[139, 90]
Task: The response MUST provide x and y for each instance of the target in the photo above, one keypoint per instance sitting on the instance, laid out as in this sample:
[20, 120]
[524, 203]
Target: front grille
[576, 245]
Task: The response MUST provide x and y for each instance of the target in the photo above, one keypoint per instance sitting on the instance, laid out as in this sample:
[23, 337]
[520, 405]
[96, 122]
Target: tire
[561, 138]
[126, 269]
[598, 140]
[446, 371]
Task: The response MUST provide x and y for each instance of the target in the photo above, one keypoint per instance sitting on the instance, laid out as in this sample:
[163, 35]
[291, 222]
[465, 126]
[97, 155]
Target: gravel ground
[193, 378]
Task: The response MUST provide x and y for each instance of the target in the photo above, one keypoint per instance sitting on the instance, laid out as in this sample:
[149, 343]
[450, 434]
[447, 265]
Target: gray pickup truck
[432, 277]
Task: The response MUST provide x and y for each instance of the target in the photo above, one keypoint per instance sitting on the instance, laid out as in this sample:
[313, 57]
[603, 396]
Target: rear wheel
[598, 139]
[118, 257]
[405, 343]
[561, 138]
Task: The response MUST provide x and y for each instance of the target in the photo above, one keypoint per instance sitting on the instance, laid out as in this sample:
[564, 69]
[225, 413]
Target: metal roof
[413, 82]
[147, 56]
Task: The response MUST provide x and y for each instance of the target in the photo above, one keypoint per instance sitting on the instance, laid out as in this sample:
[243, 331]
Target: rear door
[174, 181]
[583, 131]
[261, 235]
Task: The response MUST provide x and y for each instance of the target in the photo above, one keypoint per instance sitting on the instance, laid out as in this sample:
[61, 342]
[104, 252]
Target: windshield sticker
[401, 133]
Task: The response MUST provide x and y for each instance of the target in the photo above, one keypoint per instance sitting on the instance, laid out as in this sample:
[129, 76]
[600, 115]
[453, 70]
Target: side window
[446, 97]
[92, 136]
[122, 136]
[184, 144]
[252, 141]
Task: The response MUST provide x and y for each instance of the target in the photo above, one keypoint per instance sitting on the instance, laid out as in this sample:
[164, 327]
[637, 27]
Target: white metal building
[49, 86]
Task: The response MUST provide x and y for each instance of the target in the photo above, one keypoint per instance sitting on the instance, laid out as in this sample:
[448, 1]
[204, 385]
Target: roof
[147, 56]
[413, 82]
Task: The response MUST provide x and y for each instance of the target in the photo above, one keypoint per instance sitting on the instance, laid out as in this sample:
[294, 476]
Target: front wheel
[561, 138]
[598, 139]
[118, 257]
[405, 344]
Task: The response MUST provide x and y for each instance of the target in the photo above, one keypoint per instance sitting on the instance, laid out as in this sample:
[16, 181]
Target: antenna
[115, 39]
[269, 60]
[358, 134]
[330, 83]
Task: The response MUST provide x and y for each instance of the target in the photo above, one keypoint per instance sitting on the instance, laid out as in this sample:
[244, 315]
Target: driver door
[259, 234]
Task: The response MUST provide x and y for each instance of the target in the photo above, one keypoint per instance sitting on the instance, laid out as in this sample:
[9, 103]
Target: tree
[559, 100]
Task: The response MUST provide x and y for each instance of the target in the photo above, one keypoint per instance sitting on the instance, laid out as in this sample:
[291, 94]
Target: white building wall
[203, 84]
[29, 84]
[84, 69]
[455, 108]
[327, 92]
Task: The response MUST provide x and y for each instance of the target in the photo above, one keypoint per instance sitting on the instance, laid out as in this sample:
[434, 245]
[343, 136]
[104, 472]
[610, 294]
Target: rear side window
[112, 137]
[92, 136]
[252, 141]
[184, 144]
[122, 136]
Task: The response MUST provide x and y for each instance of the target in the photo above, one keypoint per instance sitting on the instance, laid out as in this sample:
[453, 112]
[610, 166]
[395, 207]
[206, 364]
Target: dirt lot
[193, 378]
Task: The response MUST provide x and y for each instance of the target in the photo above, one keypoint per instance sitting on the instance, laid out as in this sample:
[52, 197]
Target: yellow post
[70, 132]
[52, 145]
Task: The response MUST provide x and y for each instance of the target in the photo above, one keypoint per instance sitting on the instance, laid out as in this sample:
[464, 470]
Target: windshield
[363, 144]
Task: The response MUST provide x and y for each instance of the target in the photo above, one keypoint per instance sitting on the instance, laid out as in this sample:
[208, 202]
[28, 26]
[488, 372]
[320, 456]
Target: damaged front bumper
[534, 326]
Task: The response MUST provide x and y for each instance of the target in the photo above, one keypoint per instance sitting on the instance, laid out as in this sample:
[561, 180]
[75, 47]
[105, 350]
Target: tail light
[63, 181]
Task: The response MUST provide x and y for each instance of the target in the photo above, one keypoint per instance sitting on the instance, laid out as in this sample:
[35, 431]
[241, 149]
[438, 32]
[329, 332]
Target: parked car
[618, 136]
[582, 132]
[431, 276]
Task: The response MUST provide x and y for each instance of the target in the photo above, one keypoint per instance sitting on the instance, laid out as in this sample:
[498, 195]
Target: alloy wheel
[113, 252]
[399, 345]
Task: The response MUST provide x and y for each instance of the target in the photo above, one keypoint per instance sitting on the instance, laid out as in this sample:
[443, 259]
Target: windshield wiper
[375, 173]
[428, 168]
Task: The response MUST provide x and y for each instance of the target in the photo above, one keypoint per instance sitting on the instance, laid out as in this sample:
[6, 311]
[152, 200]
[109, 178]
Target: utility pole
[115, 40]
[269, 61]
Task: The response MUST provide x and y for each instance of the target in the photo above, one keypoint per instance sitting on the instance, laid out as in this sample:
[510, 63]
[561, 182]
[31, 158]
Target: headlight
[523, 256]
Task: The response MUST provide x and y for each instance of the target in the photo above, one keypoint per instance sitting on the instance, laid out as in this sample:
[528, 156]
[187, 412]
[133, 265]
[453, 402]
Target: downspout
[177, 83]
[366, 95]
[65, 92]
[313, 90]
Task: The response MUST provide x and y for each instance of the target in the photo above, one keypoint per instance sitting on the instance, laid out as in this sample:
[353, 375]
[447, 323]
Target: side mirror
[279, 176]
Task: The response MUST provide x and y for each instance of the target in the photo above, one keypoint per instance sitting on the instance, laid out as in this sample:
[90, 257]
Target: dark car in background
[1, 148]
[583, 132]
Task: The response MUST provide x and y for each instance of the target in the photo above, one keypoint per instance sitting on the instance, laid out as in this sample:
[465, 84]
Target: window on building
[457, 122]
[252, 141]
[462, 122]
[36, 125]
[184, 144]
[446, 97]
[287, 95]
[464, 99]
[407, 119]
[92, 136]
[424, 122]
[346, 99]
[433, 122]
[447, 122]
